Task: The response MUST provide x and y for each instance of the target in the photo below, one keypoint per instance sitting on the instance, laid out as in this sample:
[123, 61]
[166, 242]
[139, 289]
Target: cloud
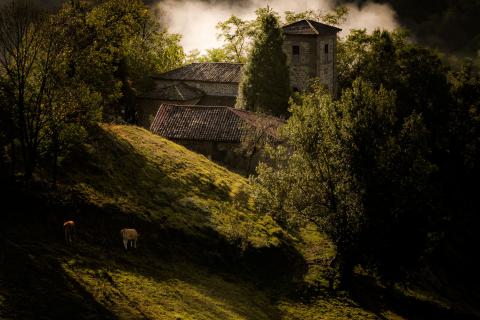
[196, 20]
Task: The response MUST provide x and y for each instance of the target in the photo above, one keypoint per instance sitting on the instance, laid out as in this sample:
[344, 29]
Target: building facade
[209, 83]
[311, 49]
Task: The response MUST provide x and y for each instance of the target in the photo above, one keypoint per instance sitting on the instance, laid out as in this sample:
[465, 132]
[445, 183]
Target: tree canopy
[265, 85]
[383, 168]
[62, 72]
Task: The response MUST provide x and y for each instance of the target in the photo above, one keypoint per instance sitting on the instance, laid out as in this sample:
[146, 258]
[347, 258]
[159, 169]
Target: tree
[39, 100]
[6, 138]
[115, 45]
[423, 86]
[28, 58]
[334, 17]
[265, 86]
[60, 73]
[255, 137]
[237, 35]
[356, 171]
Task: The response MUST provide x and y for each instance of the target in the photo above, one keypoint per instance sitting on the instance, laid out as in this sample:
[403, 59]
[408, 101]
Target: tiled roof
[177, 92]
[206, 123]
[310, 27]
[206, 71]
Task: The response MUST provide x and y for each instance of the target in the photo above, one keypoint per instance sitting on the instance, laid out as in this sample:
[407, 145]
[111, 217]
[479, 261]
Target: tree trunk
[13, 156]
[55, 152]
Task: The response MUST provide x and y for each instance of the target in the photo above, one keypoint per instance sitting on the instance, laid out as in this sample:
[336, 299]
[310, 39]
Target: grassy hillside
[135, 173]
[203, 252]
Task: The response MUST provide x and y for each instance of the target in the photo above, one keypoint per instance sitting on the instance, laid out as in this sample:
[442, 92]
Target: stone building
[311, 49]
[209, 83]
[193, 105]
[216, 132]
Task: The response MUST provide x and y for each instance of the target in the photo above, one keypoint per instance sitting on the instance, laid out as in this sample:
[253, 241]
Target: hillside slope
[203, 252]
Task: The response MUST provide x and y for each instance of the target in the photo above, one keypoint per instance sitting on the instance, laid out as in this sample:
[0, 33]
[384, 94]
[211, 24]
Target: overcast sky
[196, 20]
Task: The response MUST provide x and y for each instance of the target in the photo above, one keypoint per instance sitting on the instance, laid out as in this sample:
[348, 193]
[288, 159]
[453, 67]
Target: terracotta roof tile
[207, 123]
[207, 71]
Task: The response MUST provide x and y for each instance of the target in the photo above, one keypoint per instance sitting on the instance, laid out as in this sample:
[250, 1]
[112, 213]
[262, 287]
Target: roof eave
[207, 81]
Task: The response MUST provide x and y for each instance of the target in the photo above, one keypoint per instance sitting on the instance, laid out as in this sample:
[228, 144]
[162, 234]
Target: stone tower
[311, 49]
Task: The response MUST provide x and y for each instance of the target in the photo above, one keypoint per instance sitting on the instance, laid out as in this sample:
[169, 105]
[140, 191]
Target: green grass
[149, 177]
[159, 290]
[207, 260]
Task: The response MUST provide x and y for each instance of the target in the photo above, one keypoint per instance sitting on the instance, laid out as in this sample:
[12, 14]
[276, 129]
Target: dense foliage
[386, 170]
[265, 85]
[115, 45]
[450, 25]
[62, 72]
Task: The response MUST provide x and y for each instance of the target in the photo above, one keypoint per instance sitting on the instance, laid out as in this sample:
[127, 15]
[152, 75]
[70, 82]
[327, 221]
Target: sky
[195, 20]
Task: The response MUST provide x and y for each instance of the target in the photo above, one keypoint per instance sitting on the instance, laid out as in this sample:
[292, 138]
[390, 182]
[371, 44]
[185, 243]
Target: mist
[196, 20]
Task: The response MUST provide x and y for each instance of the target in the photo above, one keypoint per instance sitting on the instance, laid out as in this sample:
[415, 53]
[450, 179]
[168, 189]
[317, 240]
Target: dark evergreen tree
[266, 83]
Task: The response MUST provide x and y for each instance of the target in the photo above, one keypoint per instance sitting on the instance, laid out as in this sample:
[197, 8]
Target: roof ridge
[193, 106]
[213, 62]
[324, 24]
[180, 83]
[224, 72]
[311, 26]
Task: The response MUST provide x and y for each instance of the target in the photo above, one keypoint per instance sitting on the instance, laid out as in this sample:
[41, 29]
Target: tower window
[326, 48]
[295, 54]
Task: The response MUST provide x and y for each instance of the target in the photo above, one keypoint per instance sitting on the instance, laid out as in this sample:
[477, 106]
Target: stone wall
[313, 62]
[326, 70]
[215, 88]
[223, 153]
[305, 68]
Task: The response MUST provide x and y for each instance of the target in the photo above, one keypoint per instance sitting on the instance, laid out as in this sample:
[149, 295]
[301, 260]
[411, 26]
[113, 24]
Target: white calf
[129, 236]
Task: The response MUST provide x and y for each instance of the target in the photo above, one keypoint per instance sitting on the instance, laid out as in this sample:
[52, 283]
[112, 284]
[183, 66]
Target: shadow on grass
[34, 286]
[370, 296]
[175, 284]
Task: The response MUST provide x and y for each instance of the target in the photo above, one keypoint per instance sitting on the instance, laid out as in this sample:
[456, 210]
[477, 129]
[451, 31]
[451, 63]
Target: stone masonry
[311, 49]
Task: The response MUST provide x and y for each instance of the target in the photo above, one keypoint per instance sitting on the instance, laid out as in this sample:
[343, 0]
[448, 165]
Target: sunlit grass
[143, 174]
[168, 291]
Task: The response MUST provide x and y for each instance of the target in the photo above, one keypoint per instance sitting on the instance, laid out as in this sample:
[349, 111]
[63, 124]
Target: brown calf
[69, 229]
[129, 236]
